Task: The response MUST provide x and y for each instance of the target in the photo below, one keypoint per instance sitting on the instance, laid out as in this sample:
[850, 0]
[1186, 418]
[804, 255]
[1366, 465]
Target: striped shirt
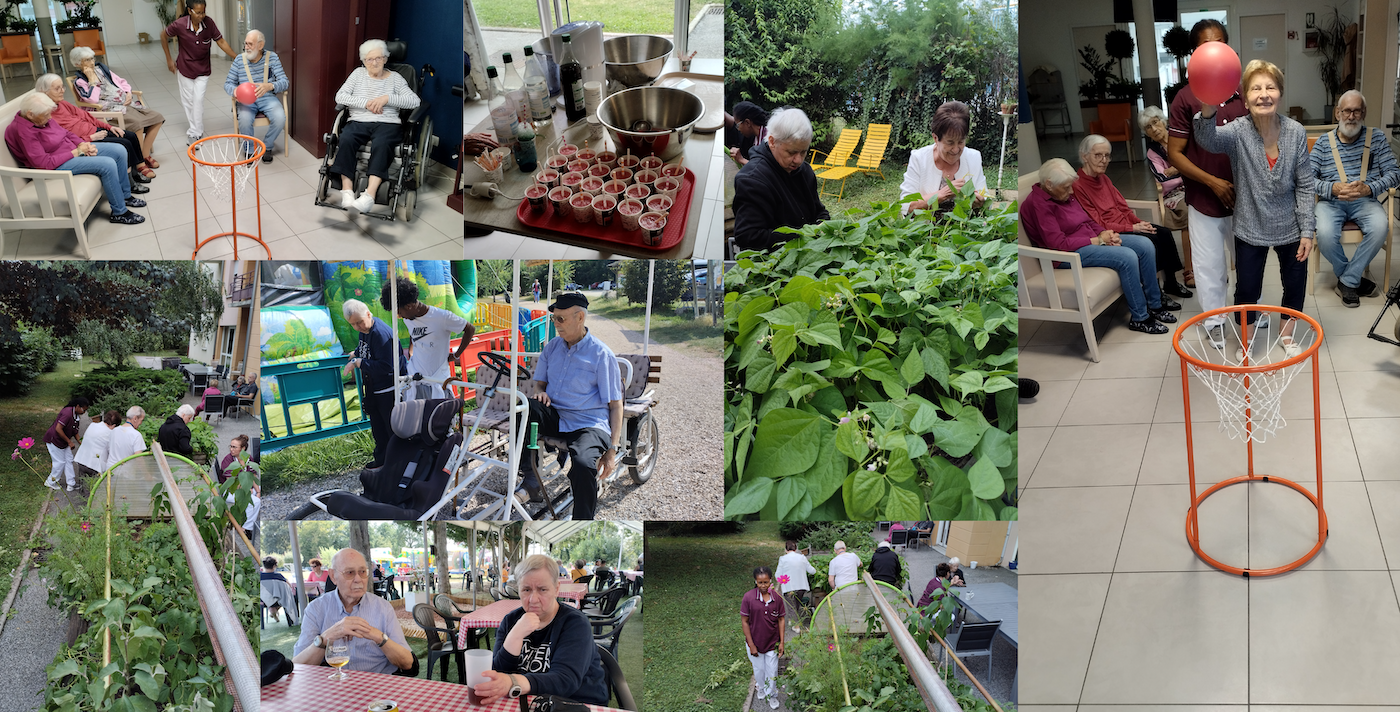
[360, 88]
[1273, 204]
[1382, 173]
[268, 68]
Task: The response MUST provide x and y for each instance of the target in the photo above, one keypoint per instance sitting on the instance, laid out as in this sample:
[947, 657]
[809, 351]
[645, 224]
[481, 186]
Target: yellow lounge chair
[840, 153]
[877, 139]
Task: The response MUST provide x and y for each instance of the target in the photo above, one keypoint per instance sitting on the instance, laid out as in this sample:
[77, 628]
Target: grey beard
[1353, 133]
[250, 57]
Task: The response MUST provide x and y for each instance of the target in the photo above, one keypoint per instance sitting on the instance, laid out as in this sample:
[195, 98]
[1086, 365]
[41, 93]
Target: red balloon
[1214, 72]
[247, 92]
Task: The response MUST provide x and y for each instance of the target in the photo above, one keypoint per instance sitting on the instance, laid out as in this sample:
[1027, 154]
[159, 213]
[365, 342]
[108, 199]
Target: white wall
[1051, 43]
[117, 20]
[145, 20]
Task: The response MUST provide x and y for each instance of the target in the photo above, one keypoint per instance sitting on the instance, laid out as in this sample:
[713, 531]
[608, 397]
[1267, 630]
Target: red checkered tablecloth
[309, 687]
[575, 591]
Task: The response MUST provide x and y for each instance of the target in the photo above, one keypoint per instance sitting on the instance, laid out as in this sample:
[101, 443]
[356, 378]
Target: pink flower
[87, 526]
[845, 420]
[15, 454]
[783, 579]
[26, 443]
[358, 292]
[830, 647]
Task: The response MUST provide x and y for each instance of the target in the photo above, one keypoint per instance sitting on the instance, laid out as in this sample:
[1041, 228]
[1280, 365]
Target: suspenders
[1337, 157]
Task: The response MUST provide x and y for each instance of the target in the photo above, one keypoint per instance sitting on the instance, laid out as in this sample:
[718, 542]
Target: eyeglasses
[375, 59]
[1100, 156]
[559, 318]
[1352, 112]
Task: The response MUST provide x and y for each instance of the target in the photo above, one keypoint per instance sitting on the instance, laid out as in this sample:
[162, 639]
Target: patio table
[574, 591]
[997, 601]
[309, 687]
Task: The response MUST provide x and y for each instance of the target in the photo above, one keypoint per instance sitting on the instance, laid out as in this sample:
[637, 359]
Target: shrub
[144, 382]
[870, 367]
[668, 282]
[19, 366]
[46, 349]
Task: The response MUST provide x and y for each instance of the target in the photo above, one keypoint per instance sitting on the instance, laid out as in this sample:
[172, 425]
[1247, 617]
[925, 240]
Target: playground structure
[472, 469]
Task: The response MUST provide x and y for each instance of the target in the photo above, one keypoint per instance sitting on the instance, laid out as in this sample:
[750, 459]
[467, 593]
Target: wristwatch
[384, 640]
[515, 690]
[319, 642]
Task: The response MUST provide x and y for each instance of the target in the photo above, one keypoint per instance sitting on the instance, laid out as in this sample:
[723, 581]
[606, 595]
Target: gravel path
[687, 483]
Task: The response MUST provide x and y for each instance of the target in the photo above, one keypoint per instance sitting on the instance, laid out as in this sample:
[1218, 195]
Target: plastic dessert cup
[535, 194]
[652, 224]
[607, 158]
[659, 204]
[571, 180]
[559, 198]
[647, 178]
[548, 178]
[638, 192]
[577, 166]
[557, 163]
[667, 187]
[592, 185]
[582, 204]
[673, 170]
[629, 212]
[628, 160]
[622, 174]
[589, 155]
[599, 169]
[604, 209]
[615, 188]
[652, 163]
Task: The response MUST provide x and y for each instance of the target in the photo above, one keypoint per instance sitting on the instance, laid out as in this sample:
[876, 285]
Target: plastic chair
[1115, 124]
[617, 684]
[975, 640]
[439, 647]
[607, 600]
[278, 592]
[92, 39]
[607, 631]
[261, 119]
[16, 49]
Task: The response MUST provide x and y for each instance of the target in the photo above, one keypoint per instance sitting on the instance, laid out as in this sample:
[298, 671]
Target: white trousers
[1211, 240]
[192, 99]
[765, 672]
[62, 463]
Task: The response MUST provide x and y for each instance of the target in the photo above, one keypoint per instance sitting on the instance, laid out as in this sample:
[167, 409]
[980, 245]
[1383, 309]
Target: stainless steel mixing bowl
[651, 120]
[635, 60]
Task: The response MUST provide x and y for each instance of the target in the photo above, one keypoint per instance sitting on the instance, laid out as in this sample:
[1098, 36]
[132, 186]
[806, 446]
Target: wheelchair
[409, 166]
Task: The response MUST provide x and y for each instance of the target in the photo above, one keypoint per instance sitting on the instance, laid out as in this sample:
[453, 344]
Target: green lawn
[666, 328]
[28, 417]
[649, 17]
[693, 622]
[282, 638]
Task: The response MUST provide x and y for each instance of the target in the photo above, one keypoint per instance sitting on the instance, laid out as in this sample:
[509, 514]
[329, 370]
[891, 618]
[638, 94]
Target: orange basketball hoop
[228, 170]
[1248, 383]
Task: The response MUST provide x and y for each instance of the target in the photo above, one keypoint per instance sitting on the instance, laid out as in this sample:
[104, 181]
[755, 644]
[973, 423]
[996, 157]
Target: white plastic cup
[973, 564]
[478, 662]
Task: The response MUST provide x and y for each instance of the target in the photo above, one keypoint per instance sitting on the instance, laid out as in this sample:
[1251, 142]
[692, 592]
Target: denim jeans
[271, 107]
[1135, 261]
[1168, 259]
[1370, 216]
[1249, 274]
[110, 166]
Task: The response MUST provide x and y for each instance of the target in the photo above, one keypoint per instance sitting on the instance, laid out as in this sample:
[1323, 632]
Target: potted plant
[80, 17]
[1332, 47]
[1094, 90]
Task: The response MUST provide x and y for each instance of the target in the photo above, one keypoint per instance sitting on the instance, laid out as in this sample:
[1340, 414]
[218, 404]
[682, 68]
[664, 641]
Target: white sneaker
[347, 199]
[52, 485]
[72, 488]
[773, 702]
[1216, 336]
[364, 203]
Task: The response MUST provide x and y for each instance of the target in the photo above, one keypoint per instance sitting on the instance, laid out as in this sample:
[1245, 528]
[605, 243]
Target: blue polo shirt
[328, 610]
[580, 380]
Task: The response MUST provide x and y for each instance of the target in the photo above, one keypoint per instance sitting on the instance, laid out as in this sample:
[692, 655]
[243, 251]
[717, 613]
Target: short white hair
[36, 104]
[1056, 172]
[353, 308]
[374, 44]
[1089, 143]
[46, 82]
[135, 412]
[790, 126]
[1355, 93]
[953, 562]
[261, 37]
[1150, 113]
[79, 54]
[185, 410]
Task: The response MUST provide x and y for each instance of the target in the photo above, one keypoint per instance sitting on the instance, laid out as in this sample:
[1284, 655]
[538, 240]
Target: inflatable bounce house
[306, 340]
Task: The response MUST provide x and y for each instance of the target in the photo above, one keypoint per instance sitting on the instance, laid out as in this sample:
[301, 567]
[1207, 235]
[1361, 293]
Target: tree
[669, 281]
[359, 539]
[594, 271]
[563, 274]
[770, 63]
[492, 277]
[1119, 45]
[444, 566]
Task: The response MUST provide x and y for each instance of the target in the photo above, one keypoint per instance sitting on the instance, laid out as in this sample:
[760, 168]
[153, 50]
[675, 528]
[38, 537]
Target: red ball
[247, 92]
[1214, 72]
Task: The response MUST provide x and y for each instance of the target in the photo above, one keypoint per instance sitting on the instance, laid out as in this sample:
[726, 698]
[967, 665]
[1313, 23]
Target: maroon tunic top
[68, 420]
[1185, 106]
[193, 60]
[763, 618]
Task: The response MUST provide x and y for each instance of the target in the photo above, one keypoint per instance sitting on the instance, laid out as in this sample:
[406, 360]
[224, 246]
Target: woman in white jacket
[936, 171]
[92, 453]
[795, 567]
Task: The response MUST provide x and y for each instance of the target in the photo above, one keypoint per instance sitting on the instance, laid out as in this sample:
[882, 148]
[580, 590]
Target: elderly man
[377, 643]
[264, 71]
[374, 95]
[374, 356]
[1351, 172]
[194, 32]
[37, 142]
[126, 440]
[777, 188]
[174, 433]
[844, 567]
[580, 403]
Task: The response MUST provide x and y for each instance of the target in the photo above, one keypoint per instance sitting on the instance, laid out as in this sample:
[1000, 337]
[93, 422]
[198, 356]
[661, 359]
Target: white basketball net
[228, 149]
[1251, 405]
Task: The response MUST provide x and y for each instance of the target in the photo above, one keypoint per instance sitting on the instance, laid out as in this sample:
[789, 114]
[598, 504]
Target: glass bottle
[537, 88]
[571, 80]
[504, 117]
[515, 89]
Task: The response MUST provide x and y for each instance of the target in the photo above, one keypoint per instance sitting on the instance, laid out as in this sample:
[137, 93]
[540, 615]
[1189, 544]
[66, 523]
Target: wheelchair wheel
[646, 449]
[303, 512]
[406, 205]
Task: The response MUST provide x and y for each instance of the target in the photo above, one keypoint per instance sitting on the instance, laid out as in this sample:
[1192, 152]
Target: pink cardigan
[93, 94]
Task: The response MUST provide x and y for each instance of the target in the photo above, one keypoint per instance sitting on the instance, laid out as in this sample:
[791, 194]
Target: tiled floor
[1120, 613]
[292, 225]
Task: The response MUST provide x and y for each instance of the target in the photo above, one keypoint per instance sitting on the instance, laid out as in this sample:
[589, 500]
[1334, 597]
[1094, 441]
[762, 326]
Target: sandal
[145, 171]
[152, 163]
[1188, 277]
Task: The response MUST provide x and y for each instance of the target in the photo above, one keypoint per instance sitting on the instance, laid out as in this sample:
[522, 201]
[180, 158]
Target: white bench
[32, 199]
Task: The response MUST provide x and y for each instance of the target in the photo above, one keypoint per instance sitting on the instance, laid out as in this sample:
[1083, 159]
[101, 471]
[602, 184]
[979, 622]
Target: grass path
[693, 622]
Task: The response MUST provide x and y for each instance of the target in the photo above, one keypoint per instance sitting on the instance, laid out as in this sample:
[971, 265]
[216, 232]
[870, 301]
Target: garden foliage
[870, 367]
[669, 280]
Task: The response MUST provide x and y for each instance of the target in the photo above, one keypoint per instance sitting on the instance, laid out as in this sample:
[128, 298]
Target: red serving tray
[670, 236]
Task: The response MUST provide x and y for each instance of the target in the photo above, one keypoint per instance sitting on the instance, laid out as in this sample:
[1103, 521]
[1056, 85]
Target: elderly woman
[1055, 219]
[37, 142]
[373, 94]
[1107, 207]
[936, 171]
[83, 123]
[543, 648]
[777, 188]
[96, 84]
[1153, 123]
[1273, 194]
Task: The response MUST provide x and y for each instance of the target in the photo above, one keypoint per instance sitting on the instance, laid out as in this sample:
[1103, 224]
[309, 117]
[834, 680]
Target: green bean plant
[870, 367]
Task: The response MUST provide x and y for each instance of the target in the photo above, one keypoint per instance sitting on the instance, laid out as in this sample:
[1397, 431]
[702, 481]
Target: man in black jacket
[884, 564]
[374, 356]
[174, 433]
[777, 188]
